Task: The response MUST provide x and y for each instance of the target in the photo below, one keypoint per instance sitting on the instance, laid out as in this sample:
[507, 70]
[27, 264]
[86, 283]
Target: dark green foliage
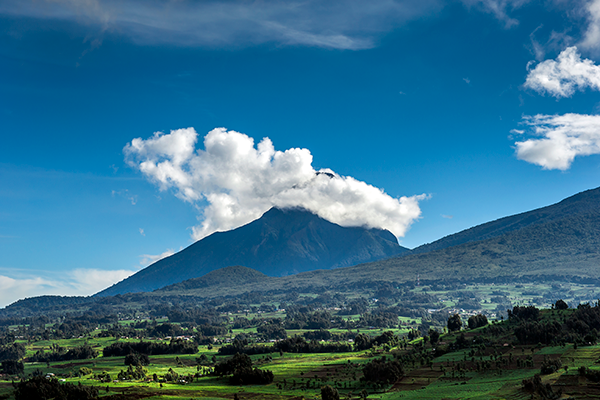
[137, 359]
[297, 344]
[41, 388]
[171, 376]
[592, 375]
[528, 332]
[212, 330]
[454, 323]
[362, 342]
[524, 313]
[164, 330]
[132, 373]
[241, 371]
[321, 334]
[12, 367]
[476, 321]
[227, 367]
[535, 385]
[150, 348]
[13, 351]
[103, 377]
[378, 320]
[242, 347]
[461, 342]
[382, 371]
[549, 366]
[329, 393]
[434, 336]
[58, 353]
[251, 376]
[272, 331]
[561, 305]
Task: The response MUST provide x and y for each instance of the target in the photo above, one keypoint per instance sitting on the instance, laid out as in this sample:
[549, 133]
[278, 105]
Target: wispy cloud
[347, 24]
[133, 198]
[78, 282]
[558, 139]
[241, 181]
[500, 9]
[563, 76]
[147, 259]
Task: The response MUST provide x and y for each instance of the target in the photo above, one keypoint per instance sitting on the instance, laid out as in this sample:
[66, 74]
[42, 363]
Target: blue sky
[432, 102]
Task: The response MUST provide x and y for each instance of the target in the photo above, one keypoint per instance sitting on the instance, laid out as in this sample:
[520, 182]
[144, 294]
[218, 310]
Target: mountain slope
[281, 242]
[579, 204]
[563, 241]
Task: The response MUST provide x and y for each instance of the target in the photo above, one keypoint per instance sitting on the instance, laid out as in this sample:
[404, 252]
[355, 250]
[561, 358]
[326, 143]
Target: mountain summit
[281, 242]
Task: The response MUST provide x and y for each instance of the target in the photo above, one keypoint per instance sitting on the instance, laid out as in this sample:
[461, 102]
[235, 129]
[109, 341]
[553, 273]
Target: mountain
[281, 242]
[579, 204]
[561, 241]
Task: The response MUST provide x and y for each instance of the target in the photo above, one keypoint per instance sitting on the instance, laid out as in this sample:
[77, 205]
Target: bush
[329, 393]
[103, 377]
[131, 373]
[382, 371]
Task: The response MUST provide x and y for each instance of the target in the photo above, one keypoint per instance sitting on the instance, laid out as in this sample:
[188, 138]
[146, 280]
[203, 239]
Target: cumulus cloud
[559, 139]
[78, 282]
[561, 78]
[234, 182]
[591, 38]
[346, 24]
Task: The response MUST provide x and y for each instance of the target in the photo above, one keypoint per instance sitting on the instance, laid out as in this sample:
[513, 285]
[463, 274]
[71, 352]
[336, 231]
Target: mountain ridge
[281, 242]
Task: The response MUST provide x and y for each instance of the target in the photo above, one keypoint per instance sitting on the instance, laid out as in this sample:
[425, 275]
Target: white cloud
[78, 282]
[346, 24]
[561, 78]
[591, 38]
[142, 232]
[499, 8]
[241, 181]
[147, 259]
[561, 138]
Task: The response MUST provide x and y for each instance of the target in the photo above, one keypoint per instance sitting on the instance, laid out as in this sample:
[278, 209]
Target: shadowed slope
[579, 204]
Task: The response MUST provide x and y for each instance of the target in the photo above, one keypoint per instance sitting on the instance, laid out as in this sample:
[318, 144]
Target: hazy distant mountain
[281, 242]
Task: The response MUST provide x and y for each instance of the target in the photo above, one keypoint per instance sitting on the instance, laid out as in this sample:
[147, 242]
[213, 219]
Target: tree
[454, 323]
[329, 393]
[561, 305]
[434, 336]
[476, 321]
[12, 367]
[42, 388]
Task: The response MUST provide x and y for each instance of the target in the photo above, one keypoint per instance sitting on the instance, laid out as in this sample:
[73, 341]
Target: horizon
[130, 132]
